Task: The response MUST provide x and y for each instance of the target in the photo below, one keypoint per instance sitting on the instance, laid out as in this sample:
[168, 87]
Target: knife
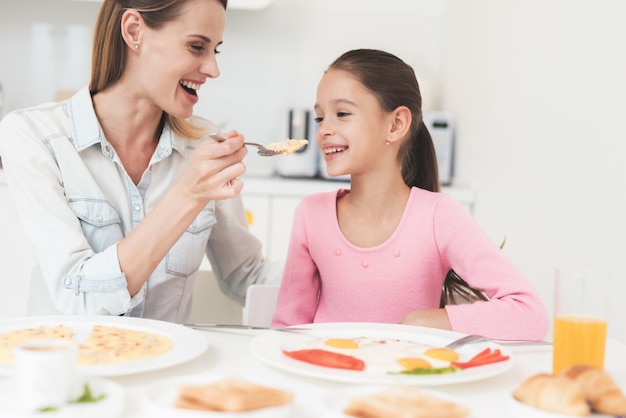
[241, 326]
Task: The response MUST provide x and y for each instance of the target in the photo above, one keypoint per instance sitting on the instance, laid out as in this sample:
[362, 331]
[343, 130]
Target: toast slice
[231, 395]
[404, 402]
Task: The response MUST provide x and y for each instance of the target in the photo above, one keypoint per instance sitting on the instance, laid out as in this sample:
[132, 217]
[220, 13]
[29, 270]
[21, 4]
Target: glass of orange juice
[580, 317]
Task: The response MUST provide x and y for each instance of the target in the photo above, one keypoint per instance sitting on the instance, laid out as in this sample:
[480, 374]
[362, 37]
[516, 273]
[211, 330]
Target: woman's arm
[236, 254]
[211, 175]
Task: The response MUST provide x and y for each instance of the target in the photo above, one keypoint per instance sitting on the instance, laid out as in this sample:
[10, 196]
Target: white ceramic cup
[46, 373]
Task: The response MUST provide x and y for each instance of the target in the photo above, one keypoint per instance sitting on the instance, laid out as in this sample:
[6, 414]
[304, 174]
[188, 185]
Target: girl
[380, 252]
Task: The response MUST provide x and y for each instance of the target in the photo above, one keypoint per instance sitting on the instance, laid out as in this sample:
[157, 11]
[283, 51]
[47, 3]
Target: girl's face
[352, 126]
[177, 58]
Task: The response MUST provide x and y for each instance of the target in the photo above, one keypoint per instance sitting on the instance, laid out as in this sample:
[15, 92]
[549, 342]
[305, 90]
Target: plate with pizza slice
[108, 345]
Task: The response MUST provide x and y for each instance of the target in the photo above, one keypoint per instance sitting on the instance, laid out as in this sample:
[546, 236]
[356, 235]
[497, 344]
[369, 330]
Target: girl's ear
[401, 124]
[132, 27]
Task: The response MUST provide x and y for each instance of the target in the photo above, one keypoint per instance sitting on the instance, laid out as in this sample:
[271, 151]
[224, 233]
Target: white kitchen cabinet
[283, 208]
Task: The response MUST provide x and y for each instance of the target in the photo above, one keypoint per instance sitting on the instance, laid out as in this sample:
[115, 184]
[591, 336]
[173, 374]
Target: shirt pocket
[100, 222]
[186, 255]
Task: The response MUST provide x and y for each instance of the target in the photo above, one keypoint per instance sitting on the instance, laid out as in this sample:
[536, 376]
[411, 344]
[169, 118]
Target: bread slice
[553, 393]
[403, 402]
[232, 395]
[598, 388]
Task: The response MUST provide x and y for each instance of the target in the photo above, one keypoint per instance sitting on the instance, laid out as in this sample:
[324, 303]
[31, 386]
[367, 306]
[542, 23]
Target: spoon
[261, 149]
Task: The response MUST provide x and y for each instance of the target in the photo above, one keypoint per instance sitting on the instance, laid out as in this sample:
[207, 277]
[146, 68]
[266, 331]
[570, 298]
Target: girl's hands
[214, 169]
[433, 318]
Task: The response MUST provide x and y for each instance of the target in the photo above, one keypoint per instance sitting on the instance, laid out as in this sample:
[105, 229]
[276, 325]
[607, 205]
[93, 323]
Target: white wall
[535, 88]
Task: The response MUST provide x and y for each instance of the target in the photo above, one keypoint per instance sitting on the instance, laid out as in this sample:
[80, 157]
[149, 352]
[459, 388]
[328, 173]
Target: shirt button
[137, 207]
[396, 253]
[337, 252]
[365, 264]
[67, 281]
[99, 218]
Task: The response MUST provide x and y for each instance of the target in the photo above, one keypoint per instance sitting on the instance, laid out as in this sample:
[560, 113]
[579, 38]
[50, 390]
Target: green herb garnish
[87, 396]
[438, 370]
[48, 409]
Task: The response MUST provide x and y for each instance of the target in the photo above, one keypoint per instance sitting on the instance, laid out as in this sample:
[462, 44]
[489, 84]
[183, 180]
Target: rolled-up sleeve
[80, 280]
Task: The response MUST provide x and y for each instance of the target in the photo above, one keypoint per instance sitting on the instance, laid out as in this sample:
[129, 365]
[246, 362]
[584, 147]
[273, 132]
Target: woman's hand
[214, 169]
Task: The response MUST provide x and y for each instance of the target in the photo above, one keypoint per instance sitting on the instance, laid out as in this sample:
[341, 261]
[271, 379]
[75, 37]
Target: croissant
[553, 393]
[599, 389]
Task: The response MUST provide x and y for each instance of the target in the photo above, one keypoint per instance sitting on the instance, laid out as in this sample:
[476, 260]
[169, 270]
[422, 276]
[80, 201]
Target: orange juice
[578, 340]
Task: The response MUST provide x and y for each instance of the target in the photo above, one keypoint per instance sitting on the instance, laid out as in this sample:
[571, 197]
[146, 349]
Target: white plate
[268, 348]
[111, 406]
[158, 400]
[335, 403]
[187, 343]
[517, 409]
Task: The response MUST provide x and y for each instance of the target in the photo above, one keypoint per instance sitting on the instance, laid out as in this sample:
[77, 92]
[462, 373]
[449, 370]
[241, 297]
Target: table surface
[229, 353]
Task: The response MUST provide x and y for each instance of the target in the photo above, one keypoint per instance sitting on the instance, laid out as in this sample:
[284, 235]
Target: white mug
[46, 374]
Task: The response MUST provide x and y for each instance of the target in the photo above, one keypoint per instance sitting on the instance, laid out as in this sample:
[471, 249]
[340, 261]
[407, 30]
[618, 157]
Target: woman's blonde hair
[109, 57]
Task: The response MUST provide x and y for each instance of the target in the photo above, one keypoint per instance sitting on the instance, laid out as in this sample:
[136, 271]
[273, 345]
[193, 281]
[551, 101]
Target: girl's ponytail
[419, 164]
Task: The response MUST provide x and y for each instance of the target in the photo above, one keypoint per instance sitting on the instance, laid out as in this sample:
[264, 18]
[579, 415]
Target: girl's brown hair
[108, 59]
[394, 84]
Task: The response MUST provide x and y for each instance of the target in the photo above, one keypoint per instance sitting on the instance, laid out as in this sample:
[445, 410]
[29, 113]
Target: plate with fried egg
[376, 353]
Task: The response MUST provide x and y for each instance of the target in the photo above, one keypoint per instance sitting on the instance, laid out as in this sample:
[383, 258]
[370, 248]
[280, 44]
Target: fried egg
[386, 355]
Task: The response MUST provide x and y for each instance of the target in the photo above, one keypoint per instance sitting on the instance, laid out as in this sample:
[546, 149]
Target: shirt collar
[86, 130]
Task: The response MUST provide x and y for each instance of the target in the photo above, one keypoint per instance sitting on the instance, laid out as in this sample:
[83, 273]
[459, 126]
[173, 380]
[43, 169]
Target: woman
[118, 196]
[383, 250]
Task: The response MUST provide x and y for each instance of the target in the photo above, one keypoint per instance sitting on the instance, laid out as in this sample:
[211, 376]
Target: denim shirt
[76, 202]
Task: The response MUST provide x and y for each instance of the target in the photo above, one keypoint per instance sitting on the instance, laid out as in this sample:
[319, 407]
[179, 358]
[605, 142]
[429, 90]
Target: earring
[136, 46]
[387, 142]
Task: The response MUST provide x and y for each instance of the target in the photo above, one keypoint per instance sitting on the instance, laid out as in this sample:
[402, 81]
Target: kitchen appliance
[304, 162]
[439, 125]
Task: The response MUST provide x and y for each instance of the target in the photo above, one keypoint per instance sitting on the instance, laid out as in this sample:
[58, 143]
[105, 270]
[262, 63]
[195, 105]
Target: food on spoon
[288, 146]
[231, 395]
[403, 401]
[599, 389]
[553, 393]
[104, 344]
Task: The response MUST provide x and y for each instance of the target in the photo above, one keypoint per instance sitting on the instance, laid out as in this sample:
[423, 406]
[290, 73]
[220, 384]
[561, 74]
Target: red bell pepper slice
[326, 359]
[487, 356]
